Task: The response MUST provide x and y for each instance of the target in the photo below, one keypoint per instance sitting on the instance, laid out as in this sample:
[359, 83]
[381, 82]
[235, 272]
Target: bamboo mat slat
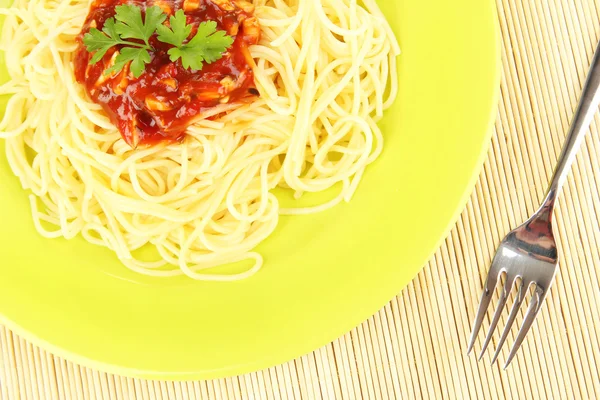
[415, 346]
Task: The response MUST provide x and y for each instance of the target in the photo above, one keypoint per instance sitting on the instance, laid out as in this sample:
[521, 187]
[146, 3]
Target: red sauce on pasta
[167, 98]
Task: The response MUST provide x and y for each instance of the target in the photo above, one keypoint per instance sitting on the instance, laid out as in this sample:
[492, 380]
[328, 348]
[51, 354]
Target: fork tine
[499, 308]
[486, 297]
[511, 319]
[537, 299]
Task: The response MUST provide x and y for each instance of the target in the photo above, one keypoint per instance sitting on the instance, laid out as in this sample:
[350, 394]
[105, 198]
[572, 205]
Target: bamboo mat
[415, 347]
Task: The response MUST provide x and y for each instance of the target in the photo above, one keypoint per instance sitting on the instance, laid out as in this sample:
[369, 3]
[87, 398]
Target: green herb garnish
[207, 46]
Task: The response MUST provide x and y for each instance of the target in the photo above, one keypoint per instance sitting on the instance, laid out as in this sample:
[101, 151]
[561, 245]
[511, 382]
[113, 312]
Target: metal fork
[528, 254]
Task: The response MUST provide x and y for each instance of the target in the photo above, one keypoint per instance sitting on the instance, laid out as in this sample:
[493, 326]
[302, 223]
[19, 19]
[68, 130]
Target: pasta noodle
[325, 70]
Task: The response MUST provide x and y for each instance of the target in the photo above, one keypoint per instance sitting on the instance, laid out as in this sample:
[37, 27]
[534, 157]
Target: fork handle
[588, 104]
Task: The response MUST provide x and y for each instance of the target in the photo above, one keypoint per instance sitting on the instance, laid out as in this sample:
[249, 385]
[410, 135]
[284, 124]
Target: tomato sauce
[167, 98]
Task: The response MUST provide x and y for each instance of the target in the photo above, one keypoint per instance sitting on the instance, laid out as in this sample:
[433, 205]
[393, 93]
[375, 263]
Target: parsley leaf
[212, 42]
[110, 29]
[127, 24]
[177, 33]
[138, 57]
[130, 25]
[101, 41]
[208, 45]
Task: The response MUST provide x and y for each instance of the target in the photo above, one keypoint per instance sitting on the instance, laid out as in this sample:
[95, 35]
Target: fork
[528, 254]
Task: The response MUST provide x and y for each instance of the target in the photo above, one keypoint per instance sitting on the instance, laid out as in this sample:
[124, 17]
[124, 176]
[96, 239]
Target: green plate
[324, 274]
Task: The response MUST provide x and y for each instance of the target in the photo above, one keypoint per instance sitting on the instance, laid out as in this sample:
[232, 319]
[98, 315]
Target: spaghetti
[325, 71]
